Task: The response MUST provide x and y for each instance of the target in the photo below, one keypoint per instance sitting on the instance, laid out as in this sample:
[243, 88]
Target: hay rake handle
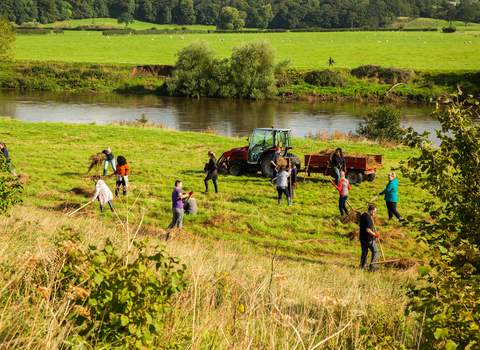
[79, 208]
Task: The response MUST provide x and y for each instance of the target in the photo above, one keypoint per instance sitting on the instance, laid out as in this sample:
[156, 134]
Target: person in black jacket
[110, 159]
[211, 168]
[367, 238]
[3, 146]
[338, 164]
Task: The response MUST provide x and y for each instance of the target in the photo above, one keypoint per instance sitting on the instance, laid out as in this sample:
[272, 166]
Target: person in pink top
[102, 193]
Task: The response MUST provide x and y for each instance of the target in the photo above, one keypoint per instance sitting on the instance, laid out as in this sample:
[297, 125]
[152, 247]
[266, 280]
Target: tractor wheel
[371, 177]
[295, 160]
[266, 166]
[354, 177]
[235, 168]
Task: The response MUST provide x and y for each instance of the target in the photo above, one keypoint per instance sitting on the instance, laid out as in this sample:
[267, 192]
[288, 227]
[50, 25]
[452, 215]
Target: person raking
[102, 193]
[211, 168]
[367, 238]
[122, 172]
[109, 159]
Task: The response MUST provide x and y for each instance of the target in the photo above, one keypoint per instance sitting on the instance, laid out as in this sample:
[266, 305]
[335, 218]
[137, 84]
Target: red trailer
[358, 167]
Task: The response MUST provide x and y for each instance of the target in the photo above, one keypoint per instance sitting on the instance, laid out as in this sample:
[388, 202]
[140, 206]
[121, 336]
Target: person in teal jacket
[391, 197]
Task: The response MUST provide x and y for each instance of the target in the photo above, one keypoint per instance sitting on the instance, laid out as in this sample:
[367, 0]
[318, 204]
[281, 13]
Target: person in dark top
[274, 162]
[3, 146]
[110, 159]
[367, 238]
[212, 172]
[292, 182]
[338, 164]
[331, 62]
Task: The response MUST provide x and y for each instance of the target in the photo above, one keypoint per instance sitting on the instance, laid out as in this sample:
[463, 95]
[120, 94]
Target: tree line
[234, 14]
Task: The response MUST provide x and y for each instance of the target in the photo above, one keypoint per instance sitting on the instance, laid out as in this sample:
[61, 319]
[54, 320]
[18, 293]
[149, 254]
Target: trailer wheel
[235, 168]
[371, 177]
[354, 177]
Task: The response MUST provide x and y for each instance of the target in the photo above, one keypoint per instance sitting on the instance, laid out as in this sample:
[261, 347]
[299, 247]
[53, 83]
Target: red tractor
[258, 154]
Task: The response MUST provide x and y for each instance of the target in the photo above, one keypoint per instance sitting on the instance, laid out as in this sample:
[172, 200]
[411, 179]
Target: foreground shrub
[382, 124]
[447, 297]
[390, 75]
[117, 301]
[325, 77]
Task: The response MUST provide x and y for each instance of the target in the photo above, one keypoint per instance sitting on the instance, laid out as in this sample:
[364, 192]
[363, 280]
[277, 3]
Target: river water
[229, 117]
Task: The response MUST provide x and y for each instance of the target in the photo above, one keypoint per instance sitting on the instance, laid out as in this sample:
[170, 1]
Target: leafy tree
[451, 14]
[466, 13]
[262, 16]
[252, 68]
[7, 40]
[196, 72]
[229, 19]
[184, 13]
[126, 18]
[382, 123]
[352, 17]
[248, 74]
[448, 304]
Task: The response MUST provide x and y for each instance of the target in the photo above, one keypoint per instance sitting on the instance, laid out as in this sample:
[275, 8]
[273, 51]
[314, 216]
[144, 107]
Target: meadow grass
[306, 50]
[261, 275]
[236, 298]
[138, 25]
[55, 156]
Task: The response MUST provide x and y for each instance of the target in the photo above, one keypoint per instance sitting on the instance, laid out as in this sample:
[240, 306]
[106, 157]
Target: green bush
[447, 295]
[118, 299]
[382, 124]
[449, 29]
[248, 74]
[325, 77]
[58, 31]
[390, 75]
[34, 31]
[10, 188]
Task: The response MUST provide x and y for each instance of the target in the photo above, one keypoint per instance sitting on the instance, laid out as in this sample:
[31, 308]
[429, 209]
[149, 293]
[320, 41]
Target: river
[229, 117]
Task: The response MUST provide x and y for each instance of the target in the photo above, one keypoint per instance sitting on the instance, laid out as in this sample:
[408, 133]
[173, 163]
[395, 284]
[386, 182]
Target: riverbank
[240, 249]
[336, 84]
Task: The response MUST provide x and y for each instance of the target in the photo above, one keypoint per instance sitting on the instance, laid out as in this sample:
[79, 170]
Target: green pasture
[409, 22]
[55, 156]
[139, 25]
[414, 50]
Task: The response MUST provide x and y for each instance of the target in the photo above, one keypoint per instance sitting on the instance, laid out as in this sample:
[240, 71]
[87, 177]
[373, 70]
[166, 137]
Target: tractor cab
[266, 139]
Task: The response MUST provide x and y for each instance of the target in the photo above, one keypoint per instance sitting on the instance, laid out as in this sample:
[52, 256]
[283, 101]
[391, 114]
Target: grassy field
[239, 243]
[139, 25]
[409, 22]
[309, 229]
[414, 50]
